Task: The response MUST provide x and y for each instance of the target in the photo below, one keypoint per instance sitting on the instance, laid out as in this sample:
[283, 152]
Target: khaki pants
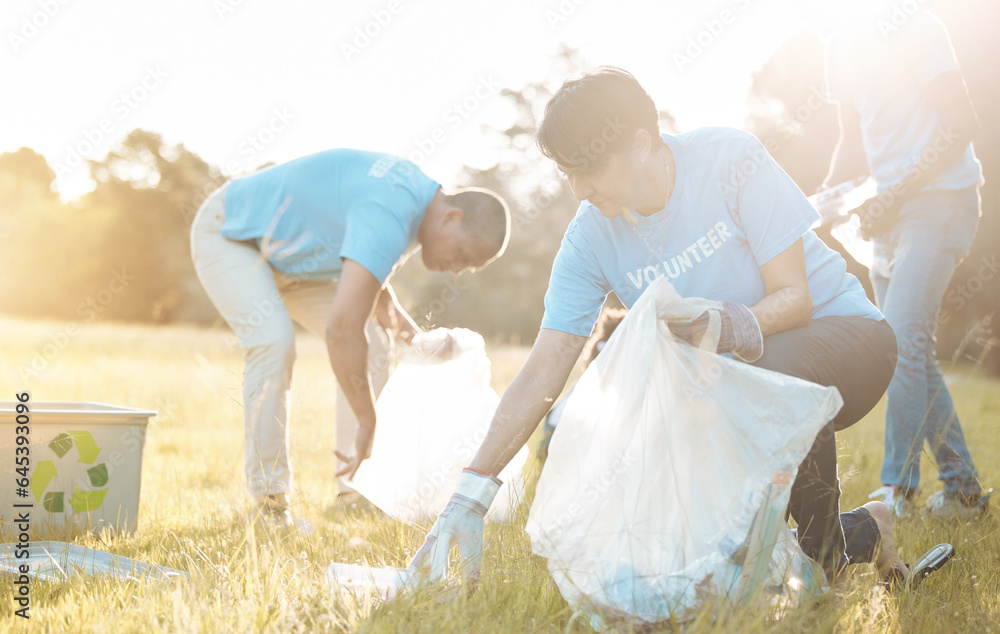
[259, 304]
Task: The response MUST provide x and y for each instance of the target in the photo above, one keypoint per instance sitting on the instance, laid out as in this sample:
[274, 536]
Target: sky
[243, 82]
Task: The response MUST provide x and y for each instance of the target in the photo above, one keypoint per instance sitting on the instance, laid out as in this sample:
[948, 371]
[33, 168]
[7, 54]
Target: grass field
[193, 517]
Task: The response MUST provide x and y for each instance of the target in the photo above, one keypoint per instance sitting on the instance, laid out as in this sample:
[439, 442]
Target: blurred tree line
[121, 252]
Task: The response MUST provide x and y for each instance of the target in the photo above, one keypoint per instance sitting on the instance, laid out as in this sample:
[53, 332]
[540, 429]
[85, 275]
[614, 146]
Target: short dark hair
[485, 214]
[593, 115]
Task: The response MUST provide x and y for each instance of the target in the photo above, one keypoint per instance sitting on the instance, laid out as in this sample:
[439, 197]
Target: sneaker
[899, 499]
[957, 506]
[274, 512]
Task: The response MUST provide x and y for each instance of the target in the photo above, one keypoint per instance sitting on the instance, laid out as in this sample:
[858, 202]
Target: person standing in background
[906, 118]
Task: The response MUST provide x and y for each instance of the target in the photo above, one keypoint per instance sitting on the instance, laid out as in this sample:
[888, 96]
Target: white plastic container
[59, 561]
[85, 465]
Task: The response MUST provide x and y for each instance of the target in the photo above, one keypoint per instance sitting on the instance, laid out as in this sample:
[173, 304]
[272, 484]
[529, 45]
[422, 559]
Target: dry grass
[247, 579]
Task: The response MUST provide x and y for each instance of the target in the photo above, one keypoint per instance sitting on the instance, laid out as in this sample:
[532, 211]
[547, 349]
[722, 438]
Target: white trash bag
[432, 415]
[668, 476]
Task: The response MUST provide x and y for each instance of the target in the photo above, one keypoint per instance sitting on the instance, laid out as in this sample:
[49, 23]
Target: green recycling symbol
[45, 472]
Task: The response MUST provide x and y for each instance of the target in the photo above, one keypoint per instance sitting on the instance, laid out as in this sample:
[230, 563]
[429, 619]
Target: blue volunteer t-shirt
[308, 214]
[732, 210]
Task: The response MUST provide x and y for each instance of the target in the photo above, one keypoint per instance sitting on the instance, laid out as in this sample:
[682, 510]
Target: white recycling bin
[83, 467]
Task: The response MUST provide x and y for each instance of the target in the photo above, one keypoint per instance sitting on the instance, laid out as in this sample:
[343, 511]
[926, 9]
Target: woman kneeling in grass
[712, 211]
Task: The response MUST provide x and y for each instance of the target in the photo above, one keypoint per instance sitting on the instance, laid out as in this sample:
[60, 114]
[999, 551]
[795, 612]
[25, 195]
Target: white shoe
[275, 512]
[955, 507]
[899, 499]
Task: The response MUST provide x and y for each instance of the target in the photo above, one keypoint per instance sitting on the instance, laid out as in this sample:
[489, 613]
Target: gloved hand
[460, 523]
[876, 217]
[740, 333]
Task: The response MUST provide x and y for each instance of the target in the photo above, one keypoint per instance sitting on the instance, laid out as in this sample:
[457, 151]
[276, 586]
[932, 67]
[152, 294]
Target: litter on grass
[59, 561]
[368, 582]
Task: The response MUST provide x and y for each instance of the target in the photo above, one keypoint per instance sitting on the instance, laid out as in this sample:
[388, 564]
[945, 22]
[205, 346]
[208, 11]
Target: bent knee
[277, 347]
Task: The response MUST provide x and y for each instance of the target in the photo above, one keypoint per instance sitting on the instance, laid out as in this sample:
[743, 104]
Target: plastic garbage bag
[433, 414]
[669, 474]
[833, 205]
[60, 561]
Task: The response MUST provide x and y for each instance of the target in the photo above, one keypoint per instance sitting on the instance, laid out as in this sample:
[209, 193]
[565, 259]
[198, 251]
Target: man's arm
[391, 316]
[848, 160]
[958, 125]
[347, 344]
[528, 397]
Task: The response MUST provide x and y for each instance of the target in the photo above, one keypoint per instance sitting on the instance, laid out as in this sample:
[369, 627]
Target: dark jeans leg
[861, 535]
[857, 356]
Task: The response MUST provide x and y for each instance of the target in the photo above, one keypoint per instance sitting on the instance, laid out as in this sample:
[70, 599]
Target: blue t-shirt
[308, 214]
[883, 72]
[732, 210]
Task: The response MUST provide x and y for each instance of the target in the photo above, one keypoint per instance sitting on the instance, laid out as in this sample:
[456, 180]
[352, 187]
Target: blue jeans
[933, 234]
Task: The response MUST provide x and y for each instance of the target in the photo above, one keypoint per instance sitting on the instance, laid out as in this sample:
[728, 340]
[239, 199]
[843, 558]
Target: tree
[45, 253]
[120, 252]
[152, 189]
[504, 300]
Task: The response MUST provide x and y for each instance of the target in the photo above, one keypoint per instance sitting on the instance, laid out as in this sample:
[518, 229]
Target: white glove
[461, 524]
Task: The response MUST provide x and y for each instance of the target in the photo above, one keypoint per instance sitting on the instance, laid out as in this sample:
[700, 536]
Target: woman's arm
[787, 304]
[528, 397]
[524, 403]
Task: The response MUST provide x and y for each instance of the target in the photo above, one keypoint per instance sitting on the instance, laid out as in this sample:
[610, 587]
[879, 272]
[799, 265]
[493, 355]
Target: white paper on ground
[368, 581]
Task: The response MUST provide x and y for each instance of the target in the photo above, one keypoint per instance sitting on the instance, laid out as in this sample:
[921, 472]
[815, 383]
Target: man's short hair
[485, 214]
[596, 114]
